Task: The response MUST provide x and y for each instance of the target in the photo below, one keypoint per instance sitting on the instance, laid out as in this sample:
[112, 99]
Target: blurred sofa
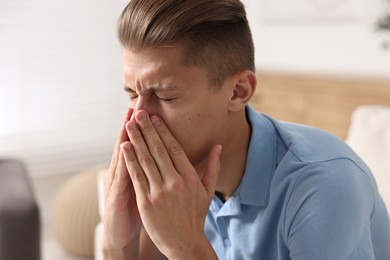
[19, 214]
[369, 136]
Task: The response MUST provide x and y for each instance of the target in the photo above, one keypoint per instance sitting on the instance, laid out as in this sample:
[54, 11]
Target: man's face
[195, 112]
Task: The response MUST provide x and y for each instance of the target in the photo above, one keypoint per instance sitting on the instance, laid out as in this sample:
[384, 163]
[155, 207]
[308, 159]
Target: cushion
[75, 213]
[369, 136]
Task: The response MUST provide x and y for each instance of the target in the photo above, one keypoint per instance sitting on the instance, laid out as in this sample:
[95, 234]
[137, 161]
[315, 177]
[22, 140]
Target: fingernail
[132, 125]
[141, 116]
[156, 120]
[127, 146]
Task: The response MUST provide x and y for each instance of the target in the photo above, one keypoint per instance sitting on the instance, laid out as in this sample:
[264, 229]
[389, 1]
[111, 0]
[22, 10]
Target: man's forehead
[151, 60]
[159, 67]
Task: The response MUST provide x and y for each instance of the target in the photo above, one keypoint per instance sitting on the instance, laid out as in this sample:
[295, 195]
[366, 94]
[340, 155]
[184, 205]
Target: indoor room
[321, 63]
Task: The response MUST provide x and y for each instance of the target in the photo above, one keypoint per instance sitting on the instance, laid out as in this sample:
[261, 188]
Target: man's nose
[142, 104]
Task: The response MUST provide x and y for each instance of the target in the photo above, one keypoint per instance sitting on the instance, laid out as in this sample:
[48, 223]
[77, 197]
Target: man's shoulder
[310, 144]
[297, 146]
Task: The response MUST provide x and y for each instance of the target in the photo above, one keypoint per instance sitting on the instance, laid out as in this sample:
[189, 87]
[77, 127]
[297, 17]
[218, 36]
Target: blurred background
[61, 90]
[61, 98]
[320, 36]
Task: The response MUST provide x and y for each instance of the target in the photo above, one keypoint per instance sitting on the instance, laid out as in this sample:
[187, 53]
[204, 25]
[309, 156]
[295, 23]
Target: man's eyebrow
[128, 89]
[153, 88]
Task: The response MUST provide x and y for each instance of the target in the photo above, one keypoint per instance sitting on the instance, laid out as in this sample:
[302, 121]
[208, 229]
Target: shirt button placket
[227, 242]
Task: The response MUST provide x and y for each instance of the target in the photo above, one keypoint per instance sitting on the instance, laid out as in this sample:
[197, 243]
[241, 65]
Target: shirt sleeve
[328, 213]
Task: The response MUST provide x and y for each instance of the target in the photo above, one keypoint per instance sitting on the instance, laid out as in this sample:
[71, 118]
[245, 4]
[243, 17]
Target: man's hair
[214, 33]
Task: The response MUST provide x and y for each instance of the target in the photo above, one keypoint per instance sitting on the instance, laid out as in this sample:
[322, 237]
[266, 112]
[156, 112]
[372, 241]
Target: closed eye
[158, 95]
[163, 99]
[132, 97]
[132, 94]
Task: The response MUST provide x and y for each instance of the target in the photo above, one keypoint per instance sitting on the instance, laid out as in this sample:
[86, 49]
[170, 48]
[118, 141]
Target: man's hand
[172, 199]
[122, 222]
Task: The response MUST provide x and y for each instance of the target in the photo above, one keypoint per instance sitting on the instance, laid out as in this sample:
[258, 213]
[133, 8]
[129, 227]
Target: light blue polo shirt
[304, 195]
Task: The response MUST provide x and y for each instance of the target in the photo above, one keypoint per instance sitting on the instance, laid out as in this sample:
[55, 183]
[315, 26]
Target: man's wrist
[130, 251]
[200, 250]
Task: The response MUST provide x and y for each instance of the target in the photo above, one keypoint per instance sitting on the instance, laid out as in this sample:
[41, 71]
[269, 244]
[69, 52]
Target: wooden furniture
[320, 101]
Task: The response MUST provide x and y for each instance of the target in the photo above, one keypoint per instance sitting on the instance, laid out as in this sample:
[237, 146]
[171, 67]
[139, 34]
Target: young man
[197, 174]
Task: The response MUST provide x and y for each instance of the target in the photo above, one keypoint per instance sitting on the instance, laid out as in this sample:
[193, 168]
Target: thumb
[210, 177]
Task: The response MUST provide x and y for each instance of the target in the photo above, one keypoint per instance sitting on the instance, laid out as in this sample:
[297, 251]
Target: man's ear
[243, 89]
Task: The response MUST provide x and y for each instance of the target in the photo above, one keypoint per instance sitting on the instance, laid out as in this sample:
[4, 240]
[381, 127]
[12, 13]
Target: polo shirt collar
[261, 160]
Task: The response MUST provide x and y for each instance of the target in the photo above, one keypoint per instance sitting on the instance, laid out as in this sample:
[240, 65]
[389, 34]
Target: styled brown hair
[215, 33]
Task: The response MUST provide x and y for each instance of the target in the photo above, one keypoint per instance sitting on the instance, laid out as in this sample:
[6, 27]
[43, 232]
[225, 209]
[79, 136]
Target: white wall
[61, 88]
[335, 38]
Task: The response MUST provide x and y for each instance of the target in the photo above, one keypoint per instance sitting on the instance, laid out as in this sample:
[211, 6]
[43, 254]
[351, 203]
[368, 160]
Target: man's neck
[233, 160]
